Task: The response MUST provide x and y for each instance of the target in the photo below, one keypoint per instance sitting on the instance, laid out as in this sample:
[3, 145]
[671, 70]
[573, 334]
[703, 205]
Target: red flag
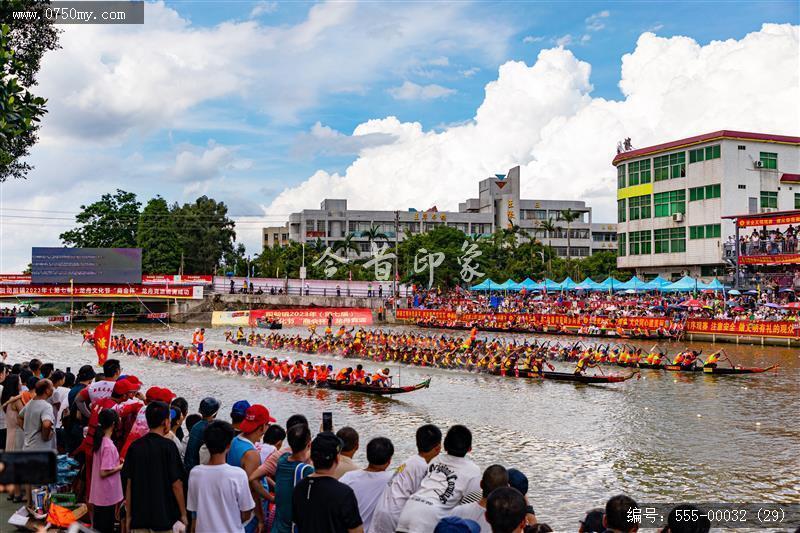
[102, 339]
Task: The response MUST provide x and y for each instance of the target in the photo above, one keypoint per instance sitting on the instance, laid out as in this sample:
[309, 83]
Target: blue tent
[608, 284]
[510, 285]
[486, 285]
[656, 283]
[588, 285]
[632, 284]
[551, 285]
[568, 284]
[685, 284]
[715, 285]
[530, 285]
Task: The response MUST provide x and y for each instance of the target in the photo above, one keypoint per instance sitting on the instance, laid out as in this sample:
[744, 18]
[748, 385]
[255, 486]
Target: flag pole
[71, 303]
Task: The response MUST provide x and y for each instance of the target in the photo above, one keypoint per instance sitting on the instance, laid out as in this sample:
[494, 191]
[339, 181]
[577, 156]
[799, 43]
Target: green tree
[206, 235]
[442, 239]
[346, 244]
[22, 45]
[111, 222]
[600, 265]
[569, 216]
[374, 234]
[548, 227]
[157, 236]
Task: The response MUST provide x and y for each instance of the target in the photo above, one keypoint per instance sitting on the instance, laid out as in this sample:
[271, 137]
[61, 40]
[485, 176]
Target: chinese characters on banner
[102, 291]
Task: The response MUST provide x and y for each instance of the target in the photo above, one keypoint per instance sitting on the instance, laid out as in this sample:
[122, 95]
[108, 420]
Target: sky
[273, 106]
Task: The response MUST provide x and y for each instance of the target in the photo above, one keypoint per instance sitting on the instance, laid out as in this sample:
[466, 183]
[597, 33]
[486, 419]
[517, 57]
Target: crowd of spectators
[766, 242]
[252, 475]
[769, 303]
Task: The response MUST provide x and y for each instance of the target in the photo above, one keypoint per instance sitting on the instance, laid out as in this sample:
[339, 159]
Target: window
[639, 207]
[704, 193]
[769, 199]
[743, 187]
[670, 240]
[677, 165]
[669, 203]
[661, 168]
[621, 250]
[621, 210]
[709, 231]
[741, 147]
[797, 200]
[534, 214]
[769, 160]
[621, 176]
[640, 242]
[638, 172]
[704, 154]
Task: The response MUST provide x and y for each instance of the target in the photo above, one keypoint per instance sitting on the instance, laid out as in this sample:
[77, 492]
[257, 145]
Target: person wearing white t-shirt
[450, 476]
[406, 480]
[99, 389]
[494, 477]
[219, 493]
[368, 484]
[59, 398]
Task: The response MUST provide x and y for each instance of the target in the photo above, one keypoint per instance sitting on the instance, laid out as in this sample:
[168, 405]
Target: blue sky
[246, 100]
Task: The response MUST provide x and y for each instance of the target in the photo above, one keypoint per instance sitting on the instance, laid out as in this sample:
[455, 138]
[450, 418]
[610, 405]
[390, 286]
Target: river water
[665, 437]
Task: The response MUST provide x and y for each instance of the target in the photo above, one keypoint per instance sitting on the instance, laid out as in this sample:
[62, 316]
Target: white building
[671, 197]
[498, 206]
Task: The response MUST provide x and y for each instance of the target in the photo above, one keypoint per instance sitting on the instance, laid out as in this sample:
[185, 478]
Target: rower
[711, 361]
[239, 335]
[358, 375]
[584, 363]
[381, 379]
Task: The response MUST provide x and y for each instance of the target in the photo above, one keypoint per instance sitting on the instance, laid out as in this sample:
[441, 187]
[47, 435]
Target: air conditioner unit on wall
[677, 217]
[758, 164]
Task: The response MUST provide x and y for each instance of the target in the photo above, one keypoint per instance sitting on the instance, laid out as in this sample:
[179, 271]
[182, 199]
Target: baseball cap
[454, 524]
[123, 386]
[593, 521]
[255, 416]
[159, 394]
[326, 446]
[209, 406]
[240, 407]
[518, 480]
[133, 380]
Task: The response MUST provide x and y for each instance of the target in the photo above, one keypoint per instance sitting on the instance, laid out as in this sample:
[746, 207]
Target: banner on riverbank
[89, 292]
[42, 320]
[176, 279]
[230, 318]
[341, 316]
[759, 328]
[777, 259]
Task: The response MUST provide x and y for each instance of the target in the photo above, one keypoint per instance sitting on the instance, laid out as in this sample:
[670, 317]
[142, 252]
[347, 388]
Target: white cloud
[199, 165]
[596, 22]
[563, 41]
[544, 118]
[470, 72]
[530, 39]
[656, 27]
[441, 61]
[412, 91]
[586, 38]
[327, 141]
[262, 8]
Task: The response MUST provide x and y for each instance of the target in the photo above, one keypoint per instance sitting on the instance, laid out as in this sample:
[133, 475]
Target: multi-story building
[498, 206]
[274, 236]
[671, 197]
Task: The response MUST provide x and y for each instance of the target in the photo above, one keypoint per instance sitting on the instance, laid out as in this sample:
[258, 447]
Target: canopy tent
[685, 284]
[486, 285]
[588, 285]
[510, 285]
[530, 285]
[551, 285]
[609, 284]
[715, 285]
[656, 284]
[568, 284]
[633, 284]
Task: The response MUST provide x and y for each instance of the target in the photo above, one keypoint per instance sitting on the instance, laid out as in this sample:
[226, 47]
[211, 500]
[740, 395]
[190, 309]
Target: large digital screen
[86, 265]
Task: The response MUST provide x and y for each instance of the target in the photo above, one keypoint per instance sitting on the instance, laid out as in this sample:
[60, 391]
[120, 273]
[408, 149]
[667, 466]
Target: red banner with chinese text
[176, 279]
[549, 320]
[100, 291]
[760, 328]
[778, 259]
[767, 220]
[342, 316]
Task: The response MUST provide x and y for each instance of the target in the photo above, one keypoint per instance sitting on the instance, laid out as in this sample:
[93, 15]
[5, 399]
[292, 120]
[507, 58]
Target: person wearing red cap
[139, 427]
[243, 453]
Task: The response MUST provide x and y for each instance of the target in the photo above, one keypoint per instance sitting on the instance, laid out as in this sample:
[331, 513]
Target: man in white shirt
[59, 398]
[406, 480]
[494, 477]
[218, 492]
[369, 484]
[449, 478]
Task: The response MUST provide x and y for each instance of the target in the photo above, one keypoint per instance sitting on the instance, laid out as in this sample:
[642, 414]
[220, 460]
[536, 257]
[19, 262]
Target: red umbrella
[694, 302]
[792, 305]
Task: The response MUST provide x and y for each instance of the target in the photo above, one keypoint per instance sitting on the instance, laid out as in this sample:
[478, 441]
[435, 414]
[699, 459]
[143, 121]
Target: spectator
[615, 519]
[238, 412]
[183, 407]
[349, 437]
[676, 525]
[369, 484]
[519, 481]
[406, 480]
[99, 389]
[208, 410]
[272, 441]
[505, 510]
[592, 522]
[494, 477]
[450, 477]
[37, 420]
[454, 524]
[290, 470]
[106, 494]
[59, 398]
[154, 489]
[243, 454]
[321, 502]
[219, 493]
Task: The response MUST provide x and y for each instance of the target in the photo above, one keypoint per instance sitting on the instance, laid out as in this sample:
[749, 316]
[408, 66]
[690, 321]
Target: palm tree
[569, 216]
[548, 227]
[346, 244]
[374, 234]
[317, 245]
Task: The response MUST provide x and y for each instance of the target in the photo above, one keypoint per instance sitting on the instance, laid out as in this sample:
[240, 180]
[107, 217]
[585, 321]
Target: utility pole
[396, 254]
